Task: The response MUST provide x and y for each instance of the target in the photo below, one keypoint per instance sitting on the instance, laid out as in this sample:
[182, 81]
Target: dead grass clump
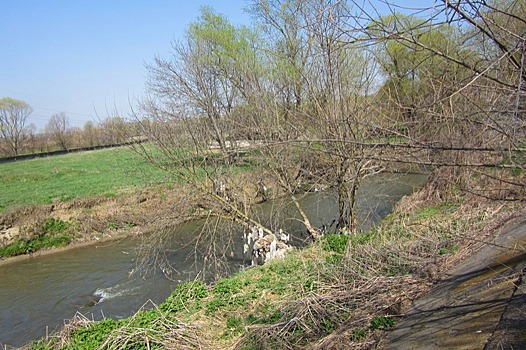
[62, 338]
[154, 329]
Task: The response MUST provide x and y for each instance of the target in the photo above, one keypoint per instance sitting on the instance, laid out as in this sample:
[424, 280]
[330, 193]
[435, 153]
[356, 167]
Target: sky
[87, 57]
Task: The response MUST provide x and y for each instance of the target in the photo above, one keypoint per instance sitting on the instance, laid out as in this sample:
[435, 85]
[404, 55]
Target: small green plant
[54, 226]
[358, 334]
[448, 250]
[335, 243]
[381, 322]
[113, 226]
[186, 296]
[234, 326]
[93, 336]
[268, 318]
[328, 326]
[435, 211]
[224, 292]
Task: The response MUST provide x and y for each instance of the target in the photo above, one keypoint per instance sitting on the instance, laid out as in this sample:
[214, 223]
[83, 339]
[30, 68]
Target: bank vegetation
[321, 94]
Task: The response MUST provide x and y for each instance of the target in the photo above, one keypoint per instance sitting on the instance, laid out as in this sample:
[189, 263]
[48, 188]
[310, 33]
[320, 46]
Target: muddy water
[36, 295]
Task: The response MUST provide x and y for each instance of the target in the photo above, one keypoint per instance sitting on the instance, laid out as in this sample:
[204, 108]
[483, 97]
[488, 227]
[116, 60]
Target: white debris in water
[266, 246]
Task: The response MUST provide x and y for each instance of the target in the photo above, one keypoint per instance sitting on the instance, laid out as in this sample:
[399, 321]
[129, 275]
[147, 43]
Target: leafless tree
[58, 128]
[13, 117]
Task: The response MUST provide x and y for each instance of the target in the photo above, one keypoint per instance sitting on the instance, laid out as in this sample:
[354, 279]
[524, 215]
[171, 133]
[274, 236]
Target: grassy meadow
[59, 178]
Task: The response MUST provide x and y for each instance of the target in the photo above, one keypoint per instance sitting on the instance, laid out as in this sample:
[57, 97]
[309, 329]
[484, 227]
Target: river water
[38, 294]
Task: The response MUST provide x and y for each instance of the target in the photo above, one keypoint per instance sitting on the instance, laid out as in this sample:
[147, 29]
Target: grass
[51, 233]
[104, 172]
[61, 178]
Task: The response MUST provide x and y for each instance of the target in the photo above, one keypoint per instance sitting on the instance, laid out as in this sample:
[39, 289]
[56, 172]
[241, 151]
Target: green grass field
[64, 177]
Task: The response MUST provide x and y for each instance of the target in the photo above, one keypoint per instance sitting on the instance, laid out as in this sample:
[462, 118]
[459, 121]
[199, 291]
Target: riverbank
[341, 292]
[91, 220]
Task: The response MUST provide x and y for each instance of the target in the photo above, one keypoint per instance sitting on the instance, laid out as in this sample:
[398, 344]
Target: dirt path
[481, 305]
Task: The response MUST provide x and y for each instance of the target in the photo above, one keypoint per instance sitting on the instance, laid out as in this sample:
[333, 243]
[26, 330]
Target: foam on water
[113, 292]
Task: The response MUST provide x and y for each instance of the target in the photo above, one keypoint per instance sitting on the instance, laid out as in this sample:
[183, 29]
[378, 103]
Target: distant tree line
[18, 137]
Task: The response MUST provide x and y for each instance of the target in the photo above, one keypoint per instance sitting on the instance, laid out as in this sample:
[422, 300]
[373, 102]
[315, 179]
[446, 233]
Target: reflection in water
[97, 281]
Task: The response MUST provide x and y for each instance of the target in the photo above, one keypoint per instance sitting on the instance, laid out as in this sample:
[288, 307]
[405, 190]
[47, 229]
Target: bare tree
[13, 116]
[58, 129]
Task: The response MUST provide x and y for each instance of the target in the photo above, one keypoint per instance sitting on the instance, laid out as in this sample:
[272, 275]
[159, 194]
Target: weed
[234, 326]
[448, 250]
[93, 336]
[334, 259]
[53, 226]
[51, 233]
[227, 292]
[358, 334]
[396, 270]
[271, 318]
[435, 211]
[328, 326]
[186, 296]
[381, 322]
[335, 243]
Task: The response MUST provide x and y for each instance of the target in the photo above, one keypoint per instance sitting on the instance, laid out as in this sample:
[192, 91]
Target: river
[38, 294]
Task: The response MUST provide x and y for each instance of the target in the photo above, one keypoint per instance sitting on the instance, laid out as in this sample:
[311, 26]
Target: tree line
[18, 137]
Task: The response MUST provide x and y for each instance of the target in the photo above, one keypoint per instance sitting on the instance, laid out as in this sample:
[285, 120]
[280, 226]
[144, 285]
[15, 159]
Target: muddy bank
[94, 220]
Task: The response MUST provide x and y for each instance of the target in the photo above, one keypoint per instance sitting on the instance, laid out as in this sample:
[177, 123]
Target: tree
[13, 116]
[329, 95]
[207, 75]
[58, 129]
[90, 134]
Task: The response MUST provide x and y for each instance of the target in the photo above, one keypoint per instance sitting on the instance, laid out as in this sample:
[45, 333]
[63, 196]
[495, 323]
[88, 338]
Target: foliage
[93, 336]
[51, 233]
[335, 243]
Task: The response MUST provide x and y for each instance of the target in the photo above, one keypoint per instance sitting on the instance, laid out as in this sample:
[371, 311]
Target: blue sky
[87, 57]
